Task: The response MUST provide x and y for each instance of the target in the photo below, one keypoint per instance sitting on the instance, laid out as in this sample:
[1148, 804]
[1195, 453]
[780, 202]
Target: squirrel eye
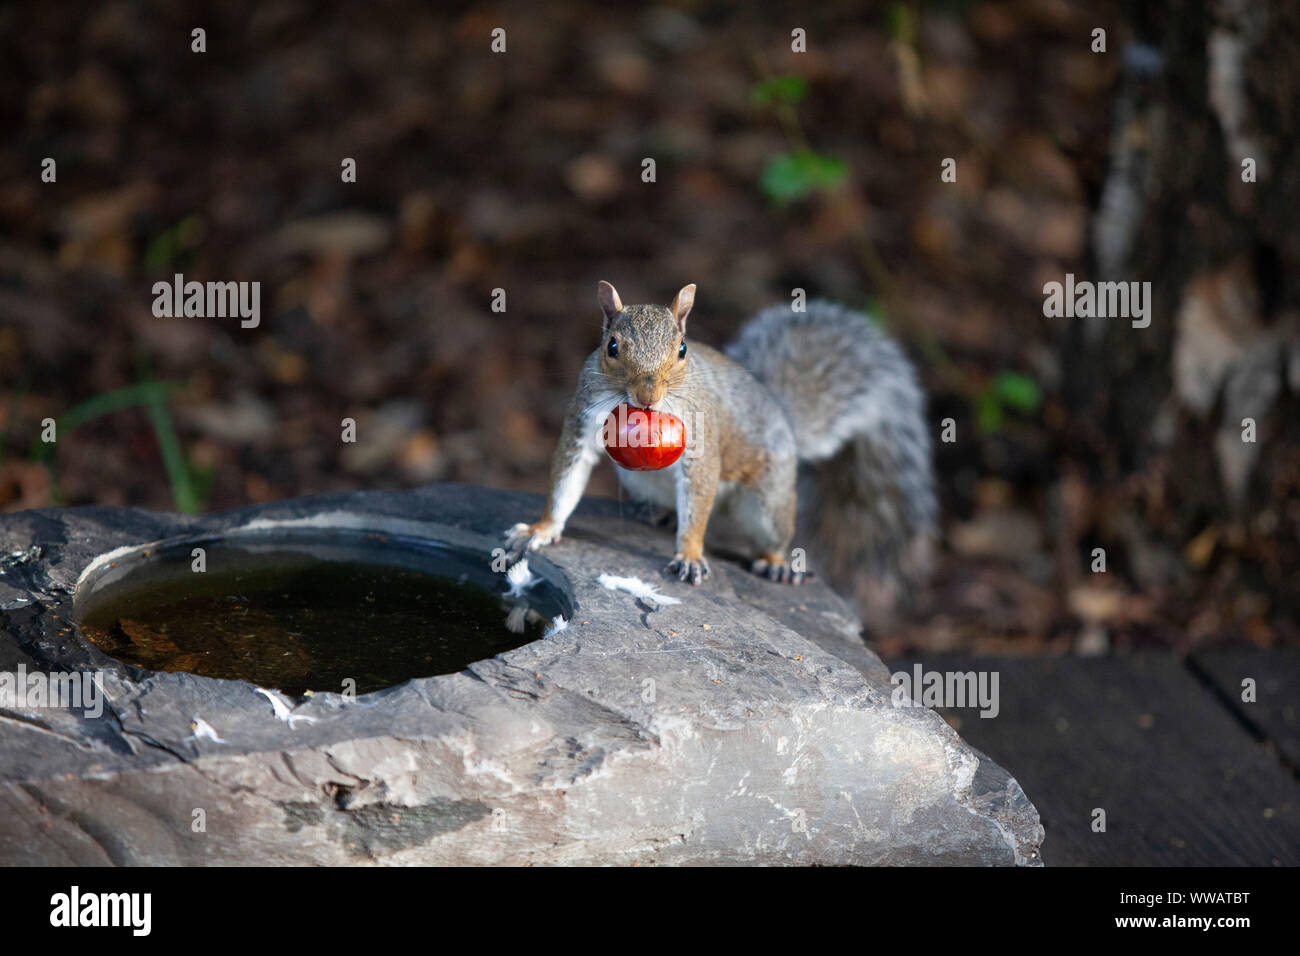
[681, 352]
[613, 349]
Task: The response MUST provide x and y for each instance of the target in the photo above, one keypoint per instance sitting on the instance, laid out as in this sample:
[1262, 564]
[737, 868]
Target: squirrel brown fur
[810, 430]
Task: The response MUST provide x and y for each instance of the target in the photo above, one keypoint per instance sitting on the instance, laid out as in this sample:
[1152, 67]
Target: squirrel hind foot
[688, 570]
[776, 568]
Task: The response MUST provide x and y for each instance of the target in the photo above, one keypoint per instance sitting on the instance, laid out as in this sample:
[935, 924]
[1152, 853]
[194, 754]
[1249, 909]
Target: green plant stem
[178, 470]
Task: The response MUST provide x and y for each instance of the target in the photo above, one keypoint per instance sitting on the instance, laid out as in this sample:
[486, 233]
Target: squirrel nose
[647, 393]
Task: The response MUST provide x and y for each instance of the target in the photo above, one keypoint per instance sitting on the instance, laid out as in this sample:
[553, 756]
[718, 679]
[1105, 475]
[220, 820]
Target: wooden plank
[1181, 781]
[1274, 716]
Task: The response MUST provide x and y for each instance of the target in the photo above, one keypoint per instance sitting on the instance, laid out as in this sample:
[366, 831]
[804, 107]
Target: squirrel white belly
[811, 426]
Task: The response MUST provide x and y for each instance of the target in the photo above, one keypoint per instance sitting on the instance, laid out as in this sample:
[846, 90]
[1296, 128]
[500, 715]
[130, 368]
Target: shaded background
[775, 170]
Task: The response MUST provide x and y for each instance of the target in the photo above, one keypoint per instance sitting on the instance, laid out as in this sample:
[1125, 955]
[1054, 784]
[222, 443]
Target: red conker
[641, 439]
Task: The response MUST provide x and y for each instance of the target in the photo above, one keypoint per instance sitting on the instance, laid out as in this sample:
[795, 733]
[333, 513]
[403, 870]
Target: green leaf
[790, 176]
[1018, 391]
[106, 403]
[779, 89]
[874, 310]
[184, 494]
[165, 249]
[988, 412]
[161, 252]
[900, 24]
[188, 490]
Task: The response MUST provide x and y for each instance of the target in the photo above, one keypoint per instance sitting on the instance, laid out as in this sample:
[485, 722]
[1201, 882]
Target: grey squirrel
[818, 407]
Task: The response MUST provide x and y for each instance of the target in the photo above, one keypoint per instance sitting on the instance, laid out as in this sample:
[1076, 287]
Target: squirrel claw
[690, 571]
[529, 537]
[778, 571]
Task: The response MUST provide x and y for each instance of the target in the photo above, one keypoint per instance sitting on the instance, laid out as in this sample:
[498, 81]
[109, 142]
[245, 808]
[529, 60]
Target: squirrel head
[644, 346]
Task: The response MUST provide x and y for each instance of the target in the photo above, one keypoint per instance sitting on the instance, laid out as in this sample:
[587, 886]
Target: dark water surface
[294, 619]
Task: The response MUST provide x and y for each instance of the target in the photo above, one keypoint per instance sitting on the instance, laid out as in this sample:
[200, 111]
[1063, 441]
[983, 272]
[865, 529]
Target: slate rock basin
[298, 608]
[747, 724]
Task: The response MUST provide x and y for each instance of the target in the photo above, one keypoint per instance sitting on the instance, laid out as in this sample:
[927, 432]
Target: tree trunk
[1189, 427]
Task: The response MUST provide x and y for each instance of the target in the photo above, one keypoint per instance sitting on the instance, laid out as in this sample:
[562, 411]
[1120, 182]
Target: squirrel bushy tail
[867, 507]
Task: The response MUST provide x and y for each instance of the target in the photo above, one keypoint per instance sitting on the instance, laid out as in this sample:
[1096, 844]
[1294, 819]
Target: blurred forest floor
[522, 172]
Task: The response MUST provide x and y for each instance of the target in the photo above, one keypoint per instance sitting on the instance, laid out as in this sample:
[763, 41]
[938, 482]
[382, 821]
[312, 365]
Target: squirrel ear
[681, 306]
[610, 304]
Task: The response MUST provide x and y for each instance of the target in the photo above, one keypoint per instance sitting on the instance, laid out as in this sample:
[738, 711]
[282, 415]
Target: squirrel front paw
[693, 571]
[776, 568]
[529, 537]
